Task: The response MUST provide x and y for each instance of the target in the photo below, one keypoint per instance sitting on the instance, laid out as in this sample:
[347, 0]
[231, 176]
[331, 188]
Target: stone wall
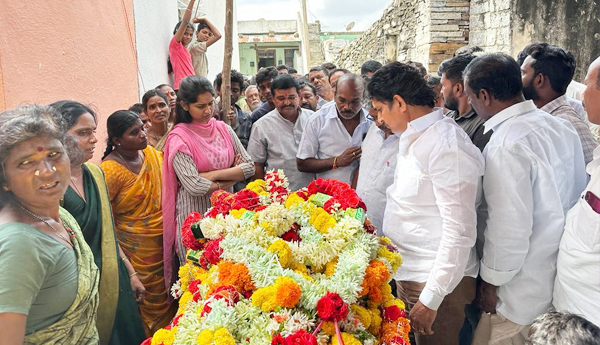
[427, 31]
[315, 49]
[509, 25]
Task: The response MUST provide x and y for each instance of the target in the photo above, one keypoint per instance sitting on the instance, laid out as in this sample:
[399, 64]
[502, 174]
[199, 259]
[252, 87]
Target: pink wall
[71, 49]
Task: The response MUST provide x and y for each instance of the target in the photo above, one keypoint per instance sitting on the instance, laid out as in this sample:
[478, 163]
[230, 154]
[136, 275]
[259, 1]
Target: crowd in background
[483, 174]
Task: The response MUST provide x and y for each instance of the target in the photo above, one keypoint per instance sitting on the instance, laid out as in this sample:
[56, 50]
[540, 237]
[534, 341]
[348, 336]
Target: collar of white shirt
[425, 121]
[512, 111]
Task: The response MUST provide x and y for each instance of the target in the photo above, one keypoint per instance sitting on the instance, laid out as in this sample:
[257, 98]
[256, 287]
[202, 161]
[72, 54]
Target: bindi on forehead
[40, 149]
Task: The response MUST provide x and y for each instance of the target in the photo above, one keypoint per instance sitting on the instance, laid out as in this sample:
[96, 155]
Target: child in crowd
[179, 57]
[206, 35]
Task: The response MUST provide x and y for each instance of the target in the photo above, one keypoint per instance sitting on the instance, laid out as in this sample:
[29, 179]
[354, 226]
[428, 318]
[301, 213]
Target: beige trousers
[495, 329]
[450, 314]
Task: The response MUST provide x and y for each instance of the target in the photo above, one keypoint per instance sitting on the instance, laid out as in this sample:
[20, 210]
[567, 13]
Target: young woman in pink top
[180, 58]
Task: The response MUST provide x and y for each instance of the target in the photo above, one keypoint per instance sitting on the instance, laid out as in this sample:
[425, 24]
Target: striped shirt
[193, 195]
[559, 107]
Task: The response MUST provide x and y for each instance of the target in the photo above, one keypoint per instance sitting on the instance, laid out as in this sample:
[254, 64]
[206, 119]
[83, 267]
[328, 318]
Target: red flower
[397, 340]
[245, 198]
[301, 337]
[292, 234]
[393, 313]
[193, 287]
[147, 341]
[176, 320]
[229, 293]
[331, 307]
[212, 253]
[206, 309]
[188, 237]
[278, 340]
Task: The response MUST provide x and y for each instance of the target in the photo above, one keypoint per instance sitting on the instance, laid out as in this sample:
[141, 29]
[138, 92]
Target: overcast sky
[334, 15]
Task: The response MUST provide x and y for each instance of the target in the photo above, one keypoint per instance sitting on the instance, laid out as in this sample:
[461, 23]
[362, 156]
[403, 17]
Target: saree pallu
[78, 324]
[118, 320]
[136, 204]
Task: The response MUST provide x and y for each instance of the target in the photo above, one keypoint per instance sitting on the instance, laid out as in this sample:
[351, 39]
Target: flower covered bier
[267, 265]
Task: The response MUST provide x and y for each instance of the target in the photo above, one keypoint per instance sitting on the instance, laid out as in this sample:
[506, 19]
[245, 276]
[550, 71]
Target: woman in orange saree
[133, 176]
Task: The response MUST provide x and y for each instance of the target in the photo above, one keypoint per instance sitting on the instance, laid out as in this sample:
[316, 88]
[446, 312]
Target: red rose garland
[331, 307]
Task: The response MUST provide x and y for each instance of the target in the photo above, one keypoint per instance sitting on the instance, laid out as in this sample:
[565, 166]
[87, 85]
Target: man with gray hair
[562, 328]
[330, 145]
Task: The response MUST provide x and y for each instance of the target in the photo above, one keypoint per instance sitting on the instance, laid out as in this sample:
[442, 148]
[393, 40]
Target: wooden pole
[226, 73]
[306, 36]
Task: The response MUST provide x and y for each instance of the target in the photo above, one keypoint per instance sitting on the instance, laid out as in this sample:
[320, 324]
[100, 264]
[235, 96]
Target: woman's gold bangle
[133, 274]
[218, 184]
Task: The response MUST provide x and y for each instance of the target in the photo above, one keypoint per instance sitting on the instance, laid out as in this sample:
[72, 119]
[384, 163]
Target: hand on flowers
[348, 156]
[421, 318]
[486, 297]
[139, 291]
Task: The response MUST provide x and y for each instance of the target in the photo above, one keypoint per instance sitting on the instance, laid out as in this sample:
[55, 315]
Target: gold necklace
[69, 231]
[124, 161]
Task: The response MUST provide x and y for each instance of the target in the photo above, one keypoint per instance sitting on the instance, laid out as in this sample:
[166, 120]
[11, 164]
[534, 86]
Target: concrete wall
[263, 26]
[248, 54]
[82, 50]
[153, 37]
[571, 24]
[490, 25]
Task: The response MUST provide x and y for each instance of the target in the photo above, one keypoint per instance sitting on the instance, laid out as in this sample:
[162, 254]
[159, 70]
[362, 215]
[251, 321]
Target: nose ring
[53, 168]
[37, 173]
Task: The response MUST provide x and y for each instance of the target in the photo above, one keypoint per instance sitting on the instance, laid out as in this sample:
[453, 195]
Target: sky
[334, 15]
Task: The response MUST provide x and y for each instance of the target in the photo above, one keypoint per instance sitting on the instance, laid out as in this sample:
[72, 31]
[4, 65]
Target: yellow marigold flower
[396, 302]
[375, 321]
[205, 337]
[183, 302]
[170, 339]
[288, 292]
[268, 228]
[184, 276]
[283, 251]
[347, 338]
[395, 259]
[299, 268]
[328, 328]
[223, 337]
[386, 291]
[257, 186]
[237, 213]
[160, 336]
[284, 293]
[330, 267]
[321, 220]
[292, 200]
[362, 314]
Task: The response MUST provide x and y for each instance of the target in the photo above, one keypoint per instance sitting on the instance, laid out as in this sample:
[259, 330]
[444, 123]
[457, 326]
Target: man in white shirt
[330, 145]
[534, 172]
[577, 284]
[376, 171]
[430, 212]
[275, 137]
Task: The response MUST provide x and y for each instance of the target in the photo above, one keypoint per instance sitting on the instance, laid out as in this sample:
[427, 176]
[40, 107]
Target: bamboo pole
[226, 73]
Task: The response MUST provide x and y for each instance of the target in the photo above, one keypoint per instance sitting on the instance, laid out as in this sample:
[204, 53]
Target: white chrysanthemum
[176, 289]
[221, 315]
[189, 326]
[322, 338]
[212, 228]
[296, 322]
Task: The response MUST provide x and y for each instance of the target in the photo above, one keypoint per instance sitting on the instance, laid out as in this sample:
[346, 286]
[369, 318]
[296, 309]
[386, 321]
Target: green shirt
[39, 275]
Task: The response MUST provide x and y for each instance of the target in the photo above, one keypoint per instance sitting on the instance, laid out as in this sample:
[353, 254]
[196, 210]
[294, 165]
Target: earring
[37, 173]
[4, 188]
[53, 168]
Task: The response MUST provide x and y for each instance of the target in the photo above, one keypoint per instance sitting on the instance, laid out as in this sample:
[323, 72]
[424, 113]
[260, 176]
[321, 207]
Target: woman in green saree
[49, 282]
[87, 200]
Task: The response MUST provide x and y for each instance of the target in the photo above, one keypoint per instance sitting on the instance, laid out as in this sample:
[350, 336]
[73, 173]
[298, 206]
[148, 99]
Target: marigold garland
[270, 266]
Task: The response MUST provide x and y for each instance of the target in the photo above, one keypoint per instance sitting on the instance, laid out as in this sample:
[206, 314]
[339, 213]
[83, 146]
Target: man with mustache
[319, 77]
[546, 73]
[275, 137]
[264, 78]
[252, 97]
[456, 100]
[308, 97]
[330, 146]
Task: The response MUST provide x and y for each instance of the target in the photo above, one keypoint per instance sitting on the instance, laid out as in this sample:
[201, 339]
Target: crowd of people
[484, 174]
